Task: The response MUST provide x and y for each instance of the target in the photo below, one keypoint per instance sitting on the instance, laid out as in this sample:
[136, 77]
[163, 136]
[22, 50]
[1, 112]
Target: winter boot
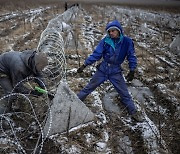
[137, 117]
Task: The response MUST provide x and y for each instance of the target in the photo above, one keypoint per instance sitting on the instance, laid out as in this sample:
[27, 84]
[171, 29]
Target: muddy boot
[137, 117]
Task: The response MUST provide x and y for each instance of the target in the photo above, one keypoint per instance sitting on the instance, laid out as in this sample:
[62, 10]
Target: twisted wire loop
[52, 43]
[17, 133]
[59, 22]
[22, 131]
[30, 121]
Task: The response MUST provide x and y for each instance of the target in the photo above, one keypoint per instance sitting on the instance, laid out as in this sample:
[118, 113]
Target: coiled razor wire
[67, 17]
[16, 141]
[51, 42]
[6, 118]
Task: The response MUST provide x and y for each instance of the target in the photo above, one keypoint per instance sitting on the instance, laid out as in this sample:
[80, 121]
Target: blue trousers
[119, 84]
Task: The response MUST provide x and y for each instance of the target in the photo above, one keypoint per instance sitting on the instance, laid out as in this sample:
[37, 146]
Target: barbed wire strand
[52, 43]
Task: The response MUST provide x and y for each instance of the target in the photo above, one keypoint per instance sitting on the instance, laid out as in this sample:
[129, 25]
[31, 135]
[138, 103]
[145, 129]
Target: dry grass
[31, 40]
[170, 6]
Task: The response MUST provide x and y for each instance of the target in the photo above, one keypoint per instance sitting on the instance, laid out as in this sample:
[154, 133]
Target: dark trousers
[119, 84]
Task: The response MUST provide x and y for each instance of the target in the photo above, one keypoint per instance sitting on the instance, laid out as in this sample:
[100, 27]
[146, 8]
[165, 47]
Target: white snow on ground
[150, 134]
[32, 13]
[126, 144]
[149, 130]
[140, 93]
[98, 103]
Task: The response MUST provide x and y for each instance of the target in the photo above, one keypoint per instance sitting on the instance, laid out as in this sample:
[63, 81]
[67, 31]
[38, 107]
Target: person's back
[8, 60]
[16, 66]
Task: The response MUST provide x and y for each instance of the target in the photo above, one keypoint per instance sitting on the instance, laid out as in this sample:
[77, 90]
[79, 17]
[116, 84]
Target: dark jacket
[18, 66]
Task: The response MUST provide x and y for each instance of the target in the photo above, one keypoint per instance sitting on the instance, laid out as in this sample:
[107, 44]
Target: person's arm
[131, 56]
[96, 55]
[18, 84]
[40, 80]
[132, 59]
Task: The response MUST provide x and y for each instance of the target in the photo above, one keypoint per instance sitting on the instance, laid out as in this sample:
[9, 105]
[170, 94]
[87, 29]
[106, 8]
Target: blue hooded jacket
[114, 52]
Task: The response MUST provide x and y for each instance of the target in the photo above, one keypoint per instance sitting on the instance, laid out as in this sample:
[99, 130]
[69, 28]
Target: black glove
[98, 65]
[51, 96]
[130, 76]
[36, 93]
[80, 69]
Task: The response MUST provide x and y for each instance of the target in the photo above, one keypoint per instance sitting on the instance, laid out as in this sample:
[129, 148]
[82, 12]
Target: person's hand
[51, 96]
[36, 93]
[130, 76]
[98, 65]
[80, 69]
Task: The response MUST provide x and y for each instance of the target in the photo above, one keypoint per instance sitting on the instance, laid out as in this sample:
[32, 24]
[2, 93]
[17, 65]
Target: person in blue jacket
[114, 48]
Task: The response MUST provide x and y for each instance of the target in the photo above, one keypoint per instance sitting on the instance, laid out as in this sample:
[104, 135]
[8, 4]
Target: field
[155, 89]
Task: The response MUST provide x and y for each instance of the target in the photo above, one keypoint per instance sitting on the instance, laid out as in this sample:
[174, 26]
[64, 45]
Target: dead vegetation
[19, 33]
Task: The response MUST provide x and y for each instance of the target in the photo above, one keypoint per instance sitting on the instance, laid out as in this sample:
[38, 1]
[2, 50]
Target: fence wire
[52, 43]
[22, 131]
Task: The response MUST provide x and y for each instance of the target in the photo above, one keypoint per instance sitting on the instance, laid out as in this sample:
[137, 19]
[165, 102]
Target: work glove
[43, 91]
[51, 96]
[130, 76]
[98, 65]
[36, 93]
[80, 69]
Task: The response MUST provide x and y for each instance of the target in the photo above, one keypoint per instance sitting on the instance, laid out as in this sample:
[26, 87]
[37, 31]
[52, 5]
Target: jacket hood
[40, 60]
[114, 24]
[27, 57]
[34, 61]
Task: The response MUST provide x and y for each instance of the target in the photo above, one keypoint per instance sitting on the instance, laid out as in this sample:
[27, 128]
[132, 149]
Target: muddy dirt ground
[22, 31]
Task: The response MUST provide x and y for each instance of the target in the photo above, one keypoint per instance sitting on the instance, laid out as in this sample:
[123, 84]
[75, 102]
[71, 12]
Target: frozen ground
[155, 89]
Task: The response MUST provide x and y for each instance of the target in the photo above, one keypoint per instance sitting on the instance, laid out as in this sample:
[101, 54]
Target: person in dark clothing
[16, 66]
[113, 48]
